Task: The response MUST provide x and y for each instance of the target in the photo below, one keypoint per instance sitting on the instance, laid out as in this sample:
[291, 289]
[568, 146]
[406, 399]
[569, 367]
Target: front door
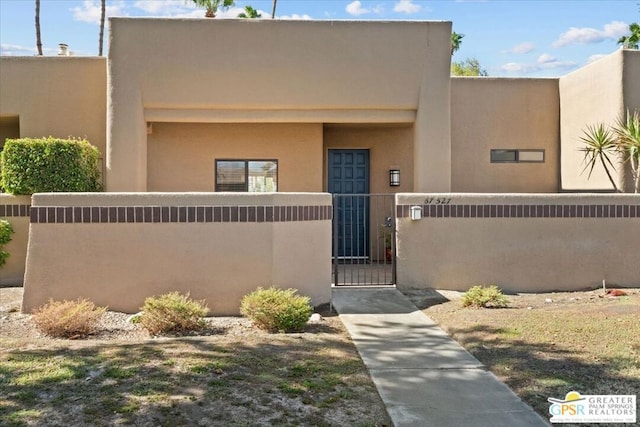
[349, 175]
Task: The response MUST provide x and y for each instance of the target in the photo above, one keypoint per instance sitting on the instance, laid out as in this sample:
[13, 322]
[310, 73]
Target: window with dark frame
[253, 176]
[517, 156]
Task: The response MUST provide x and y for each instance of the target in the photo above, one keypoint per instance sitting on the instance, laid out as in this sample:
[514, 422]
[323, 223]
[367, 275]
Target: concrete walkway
[424, 377]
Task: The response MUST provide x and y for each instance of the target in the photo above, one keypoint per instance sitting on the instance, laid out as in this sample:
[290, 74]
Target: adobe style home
[214, 105]
[186, 111]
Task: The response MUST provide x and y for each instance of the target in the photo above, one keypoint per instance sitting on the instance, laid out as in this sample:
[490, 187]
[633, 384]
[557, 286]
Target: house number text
[437, 200]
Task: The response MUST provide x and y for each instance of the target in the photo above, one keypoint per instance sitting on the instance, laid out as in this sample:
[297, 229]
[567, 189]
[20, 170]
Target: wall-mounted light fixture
[394, 177]
[416, 213]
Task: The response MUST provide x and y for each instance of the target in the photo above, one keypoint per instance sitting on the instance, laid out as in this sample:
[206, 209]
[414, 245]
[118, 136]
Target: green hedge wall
[5, 237]
[44, 165]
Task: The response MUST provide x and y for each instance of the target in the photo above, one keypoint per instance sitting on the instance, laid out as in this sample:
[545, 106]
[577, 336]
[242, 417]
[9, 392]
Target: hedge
[44, 165]
[5, 237]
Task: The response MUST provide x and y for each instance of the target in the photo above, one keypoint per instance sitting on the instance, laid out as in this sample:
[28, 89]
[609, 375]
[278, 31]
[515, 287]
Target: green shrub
[5, 237]
[277, 310]
[41, 165]
[484, 297]
[173, 312]
[68, 319]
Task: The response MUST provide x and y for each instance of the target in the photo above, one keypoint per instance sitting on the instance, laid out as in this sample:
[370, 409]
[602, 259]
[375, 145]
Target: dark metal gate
[364, 247]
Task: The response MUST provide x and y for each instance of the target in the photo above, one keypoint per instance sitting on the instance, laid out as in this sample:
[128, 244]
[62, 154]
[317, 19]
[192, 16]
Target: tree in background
[468, 67]
[456, 41]
[250, 13]
[212, 6]
[103, 9]
[632, 41]
[38, 38]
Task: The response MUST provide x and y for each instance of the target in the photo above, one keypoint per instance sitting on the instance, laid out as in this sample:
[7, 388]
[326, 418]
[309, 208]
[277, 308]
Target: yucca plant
[600, 144]
[627, 132]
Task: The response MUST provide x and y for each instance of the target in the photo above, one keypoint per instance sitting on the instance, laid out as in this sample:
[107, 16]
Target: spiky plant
[627, 131]
[599, 146]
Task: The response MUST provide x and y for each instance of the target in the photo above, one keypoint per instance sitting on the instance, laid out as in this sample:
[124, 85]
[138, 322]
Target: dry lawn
[229, 375]
[545, 345]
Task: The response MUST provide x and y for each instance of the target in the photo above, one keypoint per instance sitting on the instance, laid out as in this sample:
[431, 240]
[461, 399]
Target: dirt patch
[230, 374]
[545, 345]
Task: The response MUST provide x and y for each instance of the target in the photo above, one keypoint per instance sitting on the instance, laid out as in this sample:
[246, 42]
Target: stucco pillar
[432, 138]
[126, 128]
[126, 142]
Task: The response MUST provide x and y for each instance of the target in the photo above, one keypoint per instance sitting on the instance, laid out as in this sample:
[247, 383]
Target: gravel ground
[114, 326]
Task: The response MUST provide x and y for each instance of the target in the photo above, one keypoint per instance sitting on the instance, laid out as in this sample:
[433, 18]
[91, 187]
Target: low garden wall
[15, 209]
[116, 249]
[522, 243]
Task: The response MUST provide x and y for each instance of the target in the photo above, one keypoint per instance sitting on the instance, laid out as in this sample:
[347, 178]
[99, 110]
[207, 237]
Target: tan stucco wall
[490, 113]
[119, 264]
[12, 273]
[590, 95]
[57, 96]
[276, 72]
[631, 102]
[631, 82]
[390, 147]
[519, 254]
[9, 128]
[181, 156]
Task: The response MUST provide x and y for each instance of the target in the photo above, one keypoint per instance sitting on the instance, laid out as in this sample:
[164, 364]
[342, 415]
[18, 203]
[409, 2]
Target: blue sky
[509, 38]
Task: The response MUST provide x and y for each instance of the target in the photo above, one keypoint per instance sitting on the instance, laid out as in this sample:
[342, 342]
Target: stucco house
[346, 107]
[286, 105]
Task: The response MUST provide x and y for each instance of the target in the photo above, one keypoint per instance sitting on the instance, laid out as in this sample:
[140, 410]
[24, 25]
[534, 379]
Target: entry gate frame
[370, 271]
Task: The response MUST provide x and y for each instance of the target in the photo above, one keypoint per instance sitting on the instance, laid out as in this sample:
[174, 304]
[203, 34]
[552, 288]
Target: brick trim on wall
[14, 210]
[523, 211]
[177, 214]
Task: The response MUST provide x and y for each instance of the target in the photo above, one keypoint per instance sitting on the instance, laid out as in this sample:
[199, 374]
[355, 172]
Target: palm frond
[599, 143]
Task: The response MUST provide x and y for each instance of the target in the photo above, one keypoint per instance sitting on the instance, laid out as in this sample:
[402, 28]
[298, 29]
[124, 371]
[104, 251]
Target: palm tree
[273, 9]
[38, 38]
[632, 41]
[103, 8]
[212, 6]
[250, 13]
[599, 145]
[456, 41]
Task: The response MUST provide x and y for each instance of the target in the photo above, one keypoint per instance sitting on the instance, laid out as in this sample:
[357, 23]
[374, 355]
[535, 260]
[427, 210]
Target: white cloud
[525, 47]
[180, 9]
[162, 7]
[586, 35]
[406, 6]
[16, 50]
[304, 17]
[545, 58]
[544, 62]
[355, 8]
[19, 50]
[90, 11]
[513, 67]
